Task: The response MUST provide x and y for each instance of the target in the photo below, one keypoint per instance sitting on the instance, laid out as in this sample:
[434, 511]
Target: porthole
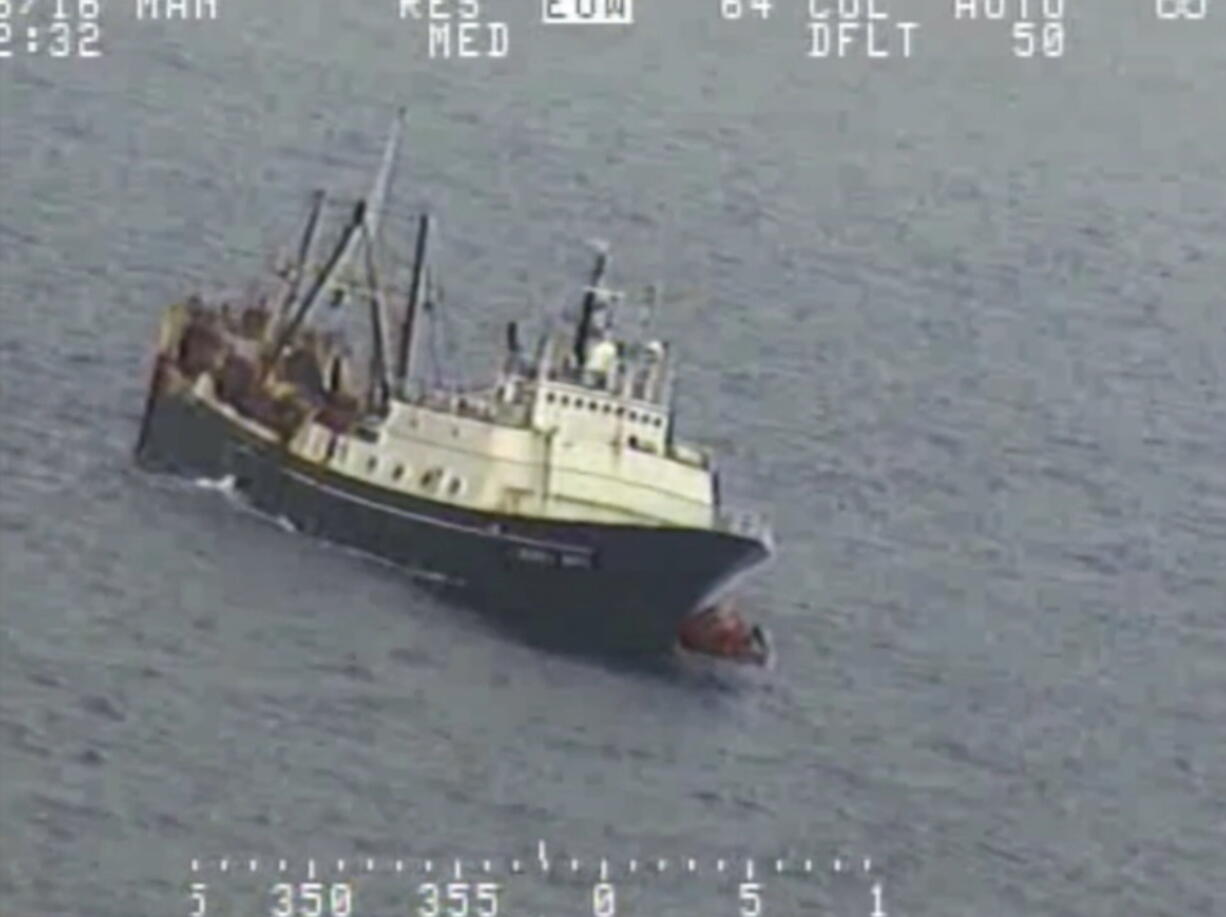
[455, 486]
[549, 398]
[620, 412]
[593, 406]
[607, 407]
[397, 472]
[372, 463]
[565, 401]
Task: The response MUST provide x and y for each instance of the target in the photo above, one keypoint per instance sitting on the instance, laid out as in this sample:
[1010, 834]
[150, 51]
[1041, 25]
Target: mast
[376, 199]
[304, 251]
[377, 394]
[355, 223]
[404, 350]
[584, 330]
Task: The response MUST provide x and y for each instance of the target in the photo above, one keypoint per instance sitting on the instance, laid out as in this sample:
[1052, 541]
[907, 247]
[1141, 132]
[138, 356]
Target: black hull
[619, 588]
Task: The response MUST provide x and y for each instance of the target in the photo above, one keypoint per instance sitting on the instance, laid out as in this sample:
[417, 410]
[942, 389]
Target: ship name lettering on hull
[176, 9]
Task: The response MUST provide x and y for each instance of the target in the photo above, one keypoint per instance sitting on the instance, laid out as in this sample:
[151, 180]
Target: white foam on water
[223, 485]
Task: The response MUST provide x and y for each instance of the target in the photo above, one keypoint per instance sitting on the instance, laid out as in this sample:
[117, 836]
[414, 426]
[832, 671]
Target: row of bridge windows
[606, 407]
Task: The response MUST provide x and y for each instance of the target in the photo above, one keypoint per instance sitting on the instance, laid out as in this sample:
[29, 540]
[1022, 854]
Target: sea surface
[957, 322]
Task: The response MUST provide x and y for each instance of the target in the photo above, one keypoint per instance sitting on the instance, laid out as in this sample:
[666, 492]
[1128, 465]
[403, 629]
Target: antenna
[651, 301]
[584, 331]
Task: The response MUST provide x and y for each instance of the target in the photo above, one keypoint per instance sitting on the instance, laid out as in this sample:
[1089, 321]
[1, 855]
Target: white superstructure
[546, 440]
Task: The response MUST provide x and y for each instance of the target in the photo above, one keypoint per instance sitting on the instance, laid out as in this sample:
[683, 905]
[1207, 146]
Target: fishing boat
[557, 496]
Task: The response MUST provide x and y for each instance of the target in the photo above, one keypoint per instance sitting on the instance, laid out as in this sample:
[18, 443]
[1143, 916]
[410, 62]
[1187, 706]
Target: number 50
[1048, 40]
[1182, 9]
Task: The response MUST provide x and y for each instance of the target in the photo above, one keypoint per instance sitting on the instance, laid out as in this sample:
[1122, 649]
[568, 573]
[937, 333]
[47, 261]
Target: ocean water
[956, 321]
